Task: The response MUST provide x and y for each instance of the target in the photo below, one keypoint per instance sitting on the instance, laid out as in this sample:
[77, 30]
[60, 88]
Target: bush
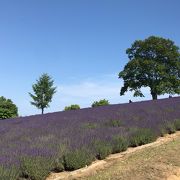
[7, 108]
[9, 174]
[114, 123]
[102, 102]
[90, 125]
[72, 107]
[58, 165]
[103, 149]
[36, 168]
[119, 144]
[141, 136]
[168, 128]
[177, 124]
[5, 114]
[77, 159]
[163, 131]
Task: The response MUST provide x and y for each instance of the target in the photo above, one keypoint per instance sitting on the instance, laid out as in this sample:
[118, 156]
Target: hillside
[47, 135]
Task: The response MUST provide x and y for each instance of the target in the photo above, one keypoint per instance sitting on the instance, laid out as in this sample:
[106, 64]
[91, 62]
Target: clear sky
[80, 43]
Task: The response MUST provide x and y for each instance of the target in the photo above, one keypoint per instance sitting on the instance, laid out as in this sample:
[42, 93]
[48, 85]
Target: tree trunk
[154, 95]
[42, 110]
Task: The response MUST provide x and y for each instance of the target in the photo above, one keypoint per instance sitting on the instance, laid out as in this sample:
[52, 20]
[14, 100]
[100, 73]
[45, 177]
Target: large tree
[43, 92]
[7, 108]
[154, 63]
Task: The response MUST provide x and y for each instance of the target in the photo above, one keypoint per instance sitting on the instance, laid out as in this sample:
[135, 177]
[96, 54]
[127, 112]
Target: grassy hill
[33, 146]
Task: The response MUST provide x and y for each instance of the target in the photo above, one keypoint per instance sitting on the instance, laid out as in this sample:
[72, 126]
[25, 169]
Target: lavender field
[46, 135]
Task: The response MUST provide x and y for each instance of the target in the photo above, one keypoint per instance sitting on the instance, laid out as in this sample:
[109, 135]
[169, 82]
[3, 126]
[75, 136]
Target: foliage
[119, 144]
[7, 108]
[170, 128]
[8, 173]
[44, 136]
[5, 114]
[72, 107]
[102, 102]
[103, 149]
[114, 123]
[58, 165]
[90, 126]
[163, 131]
[141, 136]
[43, 92]
[154, 63]
[36, 168]
[177, 124]
[77, 159]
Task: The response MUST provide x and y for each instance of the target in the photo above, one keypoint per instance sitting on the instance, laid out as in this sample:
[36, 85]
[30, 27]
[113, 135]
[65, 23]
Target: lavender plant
[42, 135]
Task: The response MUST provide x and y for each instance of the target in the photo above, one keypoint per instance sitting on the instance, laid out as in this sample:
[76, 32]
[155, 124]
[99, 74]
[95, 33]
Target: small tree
[72, 107]
[153, 63]
[102, 102]
[7, 108]
[43, 92]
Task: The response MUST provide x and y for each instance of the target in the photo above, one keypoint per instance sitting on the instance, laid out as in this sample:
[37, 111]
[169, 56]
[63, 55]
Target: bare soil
[157, 160]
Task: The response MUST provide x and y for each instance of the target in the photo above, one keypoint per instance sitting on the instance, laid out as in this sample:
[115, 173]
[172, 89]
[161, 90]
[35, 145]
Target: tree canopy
[102, 102]
[154, 63]
[7, 108]
[72, 107]
[43, 92]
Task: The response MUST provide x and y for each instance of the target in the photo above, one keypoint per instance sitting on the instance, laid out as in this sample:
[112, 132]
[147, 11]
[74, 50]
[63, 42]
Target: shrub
[114, 123]
[77, 159]
[36, 168]
[141, 136]
[163, 131]
[7, 108]
[103, 149]
[177, 124]
[58, 165]
[119, 144]
[102, 102]
[9, 174]
[90, 125]
[132, 129]
[168, 128]
[170, 109]
[5, 114]
[72, 107]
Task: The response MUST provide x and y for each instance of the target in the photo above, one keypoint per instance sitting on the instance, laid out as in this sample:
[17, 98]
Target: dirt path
[175, 175]
[112, 159]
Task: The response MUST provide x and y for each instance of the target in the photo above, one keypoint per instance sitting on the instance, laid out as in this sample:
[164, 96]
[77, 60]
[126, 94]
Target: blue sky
[80, 43]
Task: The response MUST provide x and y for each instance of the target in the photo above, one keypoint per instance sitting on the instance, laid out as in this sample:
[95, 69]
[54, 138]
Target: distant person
[170, 96]
[130, 101]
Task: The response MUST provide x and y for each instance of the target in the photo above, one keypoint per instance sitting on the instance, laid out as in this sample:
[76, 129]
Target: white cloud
[86, 92]
[89, 89]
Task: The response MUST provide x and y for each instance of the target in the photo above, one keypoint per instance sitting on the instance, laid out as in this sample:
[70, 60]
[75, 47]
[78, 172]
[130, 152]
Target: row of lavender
[44, 135]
